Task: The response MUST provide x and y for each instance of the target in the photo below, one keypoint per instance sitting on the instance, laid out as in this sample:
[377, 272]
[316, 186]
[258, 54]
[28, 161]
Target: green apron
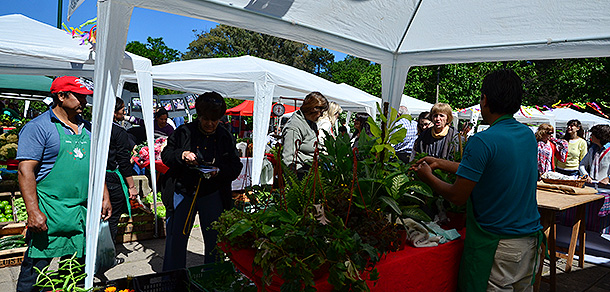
[125, 189]
[62, 197]
[480, 249]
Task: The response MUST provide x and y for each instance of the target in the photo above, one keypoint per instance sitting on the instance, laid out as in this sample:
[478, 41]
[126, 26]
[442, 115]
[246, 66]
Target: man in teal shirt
[497, 180]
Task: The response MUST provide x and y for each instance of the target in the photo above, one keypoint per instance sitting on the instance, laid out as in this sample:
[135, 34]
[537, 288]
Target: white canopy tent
[414, 105]
[525, 115]
[395, 34]
[29, 47]
[255, 79]
[563, 115]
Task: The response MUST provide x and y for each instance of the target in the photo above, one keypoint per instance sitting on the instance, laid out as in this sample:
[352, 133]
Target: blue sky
[176, 31]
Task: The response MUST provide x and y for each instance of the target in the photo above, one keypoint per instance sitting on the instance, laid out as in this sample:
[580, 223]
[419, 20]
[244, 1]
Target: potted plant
[333, 222]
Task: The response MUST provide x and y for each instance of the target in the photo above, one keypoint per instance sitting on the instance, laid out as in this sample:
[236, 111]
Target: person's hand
[466, 129]
[588, 178]
[423, 169]
[189, 157]
[432, 162]
[605, 180]
[106, 208]
[37, 221]
[133, 193]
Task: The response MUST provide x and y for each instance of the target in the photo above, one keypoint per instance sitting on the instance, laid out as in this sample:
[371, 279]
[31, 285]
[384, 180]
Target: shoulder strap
[448, 140]
[604, 154]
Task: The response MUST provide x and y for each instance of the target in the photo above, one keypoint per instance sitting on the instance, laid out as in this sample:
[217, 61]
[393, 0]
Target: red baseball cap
[72, 84]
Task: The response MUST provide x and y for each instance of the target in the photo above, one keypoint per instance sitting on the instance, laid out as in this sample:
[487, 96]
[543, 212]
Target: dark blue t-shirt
[503, 162]
[39, 140]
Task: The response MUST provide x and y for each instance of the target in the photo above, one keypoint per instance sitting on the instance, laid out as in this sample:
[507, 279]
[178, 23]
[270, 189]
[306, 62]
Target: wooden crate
[12, 228]
[12, 257]
[139, 227]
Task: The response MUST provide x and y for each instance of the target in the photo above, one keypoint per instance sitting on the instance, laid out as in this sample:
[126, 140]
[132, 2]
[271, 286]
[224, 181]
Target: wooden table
[549, 203]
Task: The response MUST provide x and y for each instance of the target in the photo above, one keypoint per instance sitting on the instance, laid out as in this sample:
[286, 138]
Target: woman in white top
[328, 121]
[595, 165]
[577, 149]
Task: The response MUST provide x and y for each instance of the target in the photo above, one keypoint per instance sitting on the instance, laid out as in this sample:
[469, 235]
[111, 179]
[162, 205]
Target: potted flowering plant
[333, 222]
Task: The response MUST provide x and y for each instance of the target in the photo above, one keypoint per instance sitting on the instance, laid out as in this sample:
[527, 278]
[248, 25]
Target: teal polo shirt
[502, 160]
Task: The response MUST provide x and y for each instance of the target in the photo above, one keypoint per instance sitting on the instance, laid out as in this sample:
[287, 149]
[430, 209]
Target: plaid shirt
[407, 144]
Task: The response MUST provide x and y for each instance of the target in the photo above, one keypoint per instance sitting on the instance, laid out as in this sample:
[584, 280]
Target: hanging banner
[73, 5]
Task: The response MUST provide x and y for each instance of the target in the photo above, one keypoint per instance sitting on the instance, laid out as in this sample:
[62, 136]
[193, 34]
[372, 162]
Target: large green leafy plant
[335, 218]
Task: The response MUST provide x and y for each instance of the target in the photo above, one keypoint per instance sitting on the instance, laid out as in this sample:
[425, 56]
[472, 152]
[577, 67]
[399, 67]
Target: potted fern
[333, 223]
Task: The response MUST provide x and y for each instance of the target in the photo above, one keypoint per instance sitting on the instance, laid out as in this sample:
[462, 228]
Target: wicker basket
[579, 183]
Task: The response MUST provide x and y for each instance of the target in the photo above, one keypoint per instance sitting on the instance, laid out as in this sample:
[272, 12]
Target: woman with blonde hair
[549, 149]
[327, 124]
[441, 140]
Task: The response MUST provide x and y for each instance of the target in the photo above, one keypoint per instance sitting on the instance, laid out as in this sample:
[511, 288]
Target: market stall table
[244, 179]
[411, 269]
[549, 203]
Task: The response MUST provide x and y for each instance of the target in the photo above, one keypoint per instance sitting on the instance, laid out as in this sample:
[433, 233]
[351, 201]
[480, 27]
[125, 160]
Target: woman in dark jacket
[119, 179]
[441, 140]
[192, 147]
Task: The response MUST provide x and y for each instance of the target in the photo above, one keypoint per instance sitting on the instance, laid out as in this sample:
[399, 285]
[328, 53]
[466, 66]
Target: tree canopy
[155, 50]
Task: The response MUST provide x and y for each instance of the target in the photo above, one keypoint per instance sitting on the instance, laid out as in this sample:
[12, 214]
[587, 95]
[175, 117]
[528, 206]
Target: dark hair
[312, 100]
[504, 91]
[210, 106]
[363, 118]
[119, 104]
[161, 111]
[422, 116]
[601, 132]
[580, 133]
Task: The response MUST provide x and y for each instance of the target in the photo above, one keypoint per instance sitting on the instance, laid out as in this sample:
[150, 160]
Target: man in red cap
[54, 177]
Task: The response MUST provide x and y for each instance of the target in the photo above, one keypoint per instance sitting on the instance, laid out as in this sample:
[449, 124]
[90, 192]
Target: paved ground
[146, 257]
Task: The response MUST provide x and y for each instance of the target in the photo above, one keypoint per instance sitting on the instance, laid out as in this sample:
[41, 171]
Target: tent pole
[59, 6]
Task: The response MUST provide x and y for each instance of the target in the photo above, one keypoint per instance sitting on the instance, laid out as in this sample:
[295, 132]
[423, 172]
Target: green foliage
[227, 41]
[70, 272]
[155, 50]
[356, 72]
[220, 276]
[320, 59]
[159, 53]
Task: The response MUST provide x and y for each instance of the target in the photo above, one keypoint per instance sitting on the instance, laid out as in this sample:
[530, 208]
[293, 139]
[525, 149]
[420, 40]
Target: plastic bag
[105, 249]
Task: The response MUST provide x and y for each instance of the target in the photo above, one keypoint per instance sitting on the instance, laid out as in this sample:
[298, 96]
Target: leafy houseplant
[335, 218]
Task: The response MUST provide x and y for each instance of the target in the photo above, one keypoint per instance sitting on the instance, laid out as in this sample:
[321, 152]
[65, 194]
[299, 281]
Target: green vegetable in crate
[12, 241]
[22, 214]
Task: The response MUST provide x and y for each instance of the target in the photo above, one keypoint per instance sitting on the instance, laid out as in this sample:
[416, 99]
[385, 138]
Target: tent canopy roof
[24, 83]
[375, 29]
[523, 116]
[46, 50]
[405, 33]
[236, 78]
[246, 108]
[414, 105]
[563, 115]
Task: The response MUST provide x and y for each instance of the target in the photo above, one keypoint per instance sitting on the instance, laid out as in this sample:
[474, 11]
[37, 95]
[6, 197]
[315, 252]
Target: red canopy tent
[245, 109]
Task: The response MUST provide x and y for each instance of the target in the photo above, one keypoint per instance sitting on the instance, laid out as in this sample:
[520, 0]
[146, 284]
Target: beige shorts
[514, 265]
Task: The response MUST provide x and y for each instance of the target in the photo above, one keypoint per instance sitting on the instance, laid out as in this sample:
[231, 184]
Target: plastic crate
[176, 280]
[208, 273]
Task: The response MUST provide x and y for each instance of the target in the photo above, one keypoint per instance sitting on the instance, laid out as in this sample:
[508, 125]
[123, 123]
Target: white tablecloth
[244, 179]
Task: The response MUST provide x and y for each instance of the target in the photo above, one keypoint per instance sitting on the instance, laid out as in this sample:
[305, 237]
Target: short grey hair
[403, 110]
